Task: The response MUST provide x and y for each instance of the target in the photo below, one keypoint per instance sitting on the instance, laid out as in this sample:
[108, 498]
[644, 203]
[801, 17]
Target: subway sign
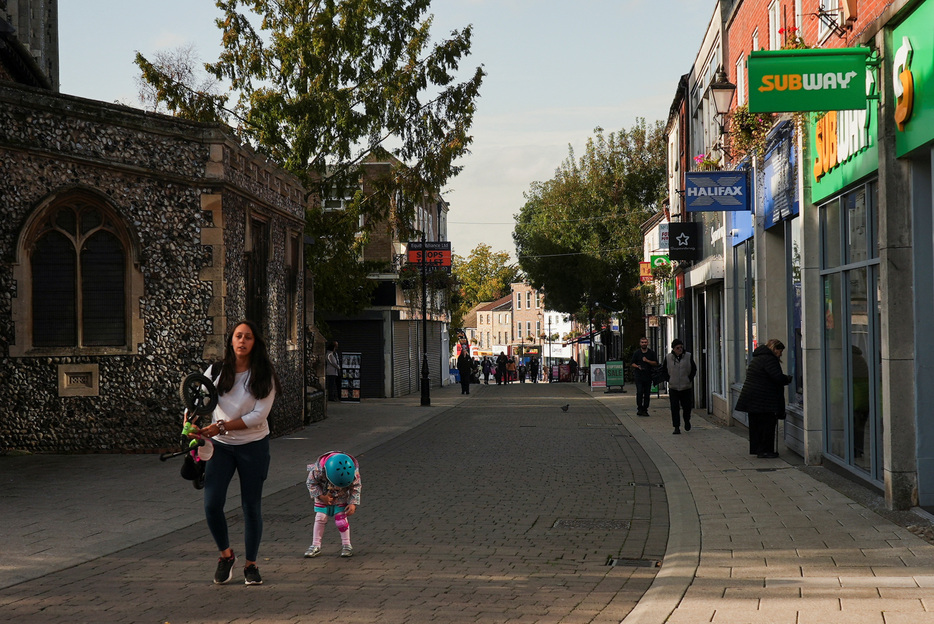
[787, 81]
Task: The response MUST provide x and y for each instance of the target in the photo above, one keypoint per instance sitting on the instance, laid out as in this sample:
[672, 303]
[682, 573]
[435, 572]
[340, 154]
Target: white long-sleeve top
[239, 402]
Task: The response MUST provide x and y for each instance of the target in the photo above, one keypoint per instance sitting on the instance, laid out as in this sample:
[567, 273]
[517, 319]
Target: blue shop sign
[780, 193]
[716, 190]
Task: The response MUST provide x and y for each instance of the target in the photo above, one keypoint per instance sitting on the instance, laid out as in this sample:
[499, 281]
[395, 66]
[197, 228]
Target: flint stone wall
[155, 172]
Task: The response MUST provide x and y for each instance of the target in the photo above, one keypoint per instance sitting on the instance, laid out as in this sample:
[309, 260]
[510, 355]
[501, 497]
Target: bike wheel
[198, 394]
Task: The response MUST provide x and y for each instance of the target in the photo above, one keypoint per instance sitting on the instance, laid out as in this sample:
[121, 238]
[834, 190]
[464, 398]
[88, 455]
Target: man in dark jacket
[763, 397]
[643, 361]
[501, 360]
[678, 369]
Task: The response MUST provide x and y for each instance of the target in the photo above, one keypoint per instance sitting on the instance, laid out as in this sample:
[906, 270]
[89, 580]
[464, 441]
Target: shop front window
[851, 330]
[744, 263]
[834, 355]
[794, 352]
[715, 340]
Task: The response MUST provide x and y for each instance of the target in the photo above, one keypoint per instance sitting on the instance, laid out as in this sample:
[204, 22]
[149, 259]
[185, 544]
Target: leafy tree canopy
[484, 275]
[320, 86]
[578, 236]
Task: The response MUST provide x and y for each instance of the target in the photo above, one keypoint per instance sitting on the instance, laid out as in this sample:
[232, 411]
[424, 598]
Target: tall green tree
[578, 236]
[484, 275]
[319, 86]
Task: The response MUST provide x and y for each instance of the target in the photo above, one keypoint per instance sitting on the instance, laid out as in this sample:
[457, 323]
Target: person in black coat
[465, 367]
[763, 397]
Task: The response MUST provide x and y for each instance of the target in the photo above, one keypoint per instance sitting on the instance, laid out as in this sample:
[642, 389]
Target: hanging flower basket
[749, 131]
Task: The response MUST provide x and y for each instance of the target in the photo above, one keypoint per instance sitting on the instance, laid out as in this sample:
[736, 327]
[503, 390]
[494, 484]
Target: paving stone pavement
[494, 507]
[500, 507]
[775, 545]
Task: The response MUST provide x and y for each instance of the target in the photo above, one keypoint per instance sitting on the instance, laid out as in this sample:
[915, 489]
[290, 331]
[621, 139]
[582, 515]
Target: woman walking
[763, 397]
[246, 386]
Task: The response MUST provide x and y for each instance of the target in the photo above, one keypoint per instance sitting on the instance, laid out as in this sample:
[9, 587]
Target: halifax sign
[716, 190]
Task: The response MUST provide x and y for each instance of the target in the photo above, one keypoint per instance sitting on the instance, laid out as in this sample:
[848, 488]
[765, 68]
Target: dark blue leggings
[251, 462]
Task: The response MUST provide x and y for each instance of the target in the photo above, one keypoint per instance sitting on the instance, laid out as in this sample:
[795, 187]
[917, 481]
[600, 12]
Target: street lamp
[426, 380]
[721, 92]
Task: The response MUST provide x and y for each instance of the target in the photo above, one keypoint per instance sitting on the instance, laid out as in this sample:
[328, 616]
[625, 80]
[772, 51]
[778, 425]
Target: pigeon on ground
[565, 407]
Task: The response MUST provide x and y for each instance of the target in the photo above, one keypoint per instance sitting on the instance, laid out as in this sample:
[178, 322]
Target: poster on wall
[780, 200]
[350, 377]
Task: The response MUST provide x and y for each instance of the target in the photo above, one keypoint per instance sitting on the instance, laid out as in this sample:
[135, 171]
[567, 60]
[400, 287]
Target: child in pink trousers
[334, 485]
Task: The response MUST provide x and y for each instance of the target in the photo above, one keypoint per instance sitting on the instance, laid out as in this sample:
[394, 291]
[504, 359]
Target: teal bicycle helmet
[339, 469]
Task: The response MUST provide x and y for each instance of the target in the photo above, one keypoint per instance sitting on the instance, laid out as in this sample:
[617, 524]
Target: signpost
[437, 255]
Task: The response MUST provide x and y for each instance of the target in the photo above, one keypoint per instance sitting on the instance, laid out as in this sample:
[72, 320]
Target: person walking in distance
[763, 397]
[247, 385]
[487, 368]
[501, 360]
[333, 371]
[465, 367]
[679, 370]
[643, 360]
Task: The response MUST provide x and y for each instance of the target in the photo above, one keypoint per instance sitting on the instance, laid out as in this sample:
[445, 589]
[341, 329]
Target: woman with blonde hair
[763, 397]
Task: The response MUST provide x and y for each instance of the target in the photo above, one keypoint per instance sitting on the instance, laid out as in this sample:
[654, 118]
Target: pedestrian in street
[678, 369]
[247, 386]
[643, 361]
[522, 371]
[334, 485]
[501, 361]
[487, 367]
[572, 367]
[465, 367]
[533, 369]
[511, 370]
[333, 371]
[763, 397]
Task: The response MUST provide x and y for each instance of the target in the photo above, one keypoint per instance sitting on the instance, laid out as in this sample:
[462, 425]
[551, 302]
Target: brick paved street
[501, 509]
[493, 508]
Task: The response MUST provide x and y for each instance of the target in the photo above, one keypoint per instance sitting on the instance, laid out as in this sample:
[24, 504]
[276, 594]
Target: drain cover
[635, 563]
[590, 523]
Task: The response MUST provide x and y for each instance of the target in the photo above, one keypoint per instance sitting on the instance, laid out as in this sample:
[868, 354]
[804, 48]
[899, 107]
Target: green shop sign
[785, 81]
[912, 75]
[844, 150]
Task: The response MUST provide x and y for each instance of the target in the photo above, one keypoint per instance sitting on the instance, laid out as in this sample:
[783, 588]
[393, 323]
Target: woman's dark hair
[263, 376]
[775, 343]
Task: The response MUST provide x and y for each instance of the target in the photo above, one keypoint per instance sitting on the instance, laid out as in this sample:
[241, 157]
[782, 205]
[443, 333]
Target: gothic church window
[78, 270]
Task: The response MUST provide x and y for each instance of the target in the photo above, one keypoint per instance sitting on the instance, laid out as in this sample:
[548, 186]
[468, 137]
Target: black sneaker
[251, 575]
[687, 425]
[224, 570]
